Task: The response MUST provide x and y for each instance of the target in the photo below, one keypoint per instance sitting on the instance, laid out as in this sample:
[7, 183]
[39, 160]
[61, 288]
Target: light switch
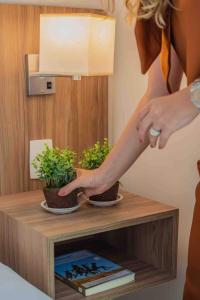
[36, 147]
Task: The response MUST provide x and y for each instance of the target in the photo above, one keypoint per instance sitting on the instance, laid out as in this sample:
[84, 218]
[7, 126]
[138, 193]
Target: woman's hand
[166, 114]
[92, 182]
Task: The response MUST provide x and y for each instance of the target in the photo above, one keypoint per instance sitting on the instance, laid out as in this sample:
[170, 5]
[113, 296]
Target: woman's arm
[167, 113]
[129, 146]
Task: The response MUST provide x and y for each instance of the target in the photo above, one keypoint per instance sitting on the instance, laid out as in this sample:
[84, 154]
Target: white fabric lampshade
[77, 44]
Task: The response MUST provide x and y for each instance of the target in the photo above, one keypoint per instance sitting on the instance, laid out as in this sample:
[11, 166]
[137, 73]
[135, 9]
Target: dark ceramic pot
[108, 195]
[55, 201]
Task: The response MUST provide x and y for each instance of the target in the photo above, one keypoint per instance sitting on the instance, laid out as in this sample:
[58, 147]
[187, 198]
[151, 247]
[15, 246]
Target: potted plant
[56, 168]
[91, 159]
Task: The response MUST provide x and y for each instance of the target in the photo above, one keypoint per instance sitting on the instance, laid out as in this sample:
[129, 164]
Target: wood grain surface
[25, 207]
[139, 233]
[75, 117]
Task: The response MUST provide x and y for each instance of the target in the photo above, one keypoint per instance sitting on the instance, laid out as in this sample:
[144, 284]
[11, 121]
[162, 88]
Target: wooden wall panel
[76, 116]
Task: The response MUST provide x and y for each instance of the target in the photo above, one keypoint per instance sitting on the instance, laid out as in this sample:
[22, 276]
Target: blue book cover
[84, 270]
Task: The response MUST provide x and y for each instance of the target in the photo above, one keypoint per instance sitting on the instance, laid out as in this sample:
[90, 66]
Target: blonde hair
[147, 9]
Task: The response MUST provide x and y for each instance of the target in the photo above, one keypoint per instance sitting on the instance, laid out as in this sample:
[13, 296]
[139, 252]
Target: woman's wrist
[106, 175]
[186, 97]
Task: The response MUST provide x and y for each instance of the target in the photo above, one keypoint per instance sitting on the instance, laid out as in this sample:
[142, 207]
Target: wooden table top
[25, 209]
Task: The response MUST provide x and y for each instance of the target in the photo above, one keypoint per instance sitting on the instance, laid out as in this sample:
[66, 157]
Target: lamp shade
[77, 44]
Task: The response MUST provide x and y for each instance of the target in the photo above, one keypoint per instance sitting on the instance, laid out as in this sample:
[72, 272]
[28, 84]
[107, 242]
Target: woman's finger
[142, 115]
[69, 187]
[88, 192]
[163, 139]
[144, 127]
[154, 139]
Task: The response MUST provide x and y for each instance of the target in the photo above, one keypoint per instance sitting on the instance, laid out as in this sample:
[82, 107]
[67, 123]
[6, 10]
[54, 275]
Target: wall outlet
[36, 147]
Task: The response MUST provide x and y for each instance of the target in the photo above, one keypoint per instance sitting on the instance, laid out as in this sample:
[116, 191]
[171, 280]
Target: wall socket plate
[36, 147]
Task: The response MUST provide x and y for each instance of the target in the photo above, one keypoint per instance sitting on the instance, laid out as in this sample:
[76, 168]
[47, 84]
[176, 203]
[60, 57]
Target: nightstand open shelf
[124, 246]
[140, 234]
[146, 276]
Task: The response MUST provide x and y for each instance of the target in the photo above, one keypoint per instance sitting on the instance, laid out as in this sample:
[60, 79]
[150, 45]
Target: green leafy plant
[94, 156]
[55, 166]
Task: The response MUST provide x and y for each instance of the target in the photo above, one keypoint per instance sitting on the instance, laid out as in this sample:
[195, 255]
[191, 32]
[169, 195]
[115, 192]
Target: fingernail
[60, 194]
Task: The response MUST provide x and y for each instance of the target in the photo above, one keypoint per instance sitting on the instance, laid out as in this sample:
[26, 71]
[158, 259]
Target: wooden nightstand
[139, 233]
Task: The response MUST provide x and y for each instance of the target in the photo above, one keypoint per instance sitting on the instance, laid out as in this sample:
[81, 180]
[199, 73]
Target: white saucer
[58, 211]
[106, 203]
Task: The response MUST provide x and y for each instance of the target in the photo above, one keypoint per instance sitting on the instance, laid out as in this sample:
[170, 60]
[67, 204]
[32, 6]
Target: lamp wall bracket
[37, 84]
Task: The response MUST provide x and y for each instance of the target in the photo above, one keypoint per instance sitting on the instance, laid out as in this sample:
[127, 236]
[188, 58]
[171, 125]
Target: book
[89, 273]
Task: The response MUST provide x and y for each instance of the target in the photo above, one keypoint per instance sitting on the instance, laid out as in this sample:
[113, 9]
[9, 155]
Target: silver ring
[154, 132]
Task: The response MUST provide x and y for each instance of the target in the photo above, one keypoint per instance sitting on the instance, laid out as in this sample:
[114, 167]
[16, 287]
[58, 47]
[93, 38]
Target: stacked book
[89, 273]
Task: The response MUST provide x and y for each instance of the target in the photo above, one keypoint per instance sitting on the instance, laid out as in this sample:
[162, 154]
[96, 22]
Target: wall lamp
[75, 44]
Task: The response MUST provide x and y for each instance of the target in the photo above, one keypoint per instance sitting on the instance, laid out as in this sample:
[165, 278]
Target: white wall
[168, 175]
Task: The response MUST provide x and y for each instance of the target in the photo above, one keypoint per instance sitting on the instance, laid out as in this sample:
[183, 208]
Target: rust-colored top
[182, 32]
